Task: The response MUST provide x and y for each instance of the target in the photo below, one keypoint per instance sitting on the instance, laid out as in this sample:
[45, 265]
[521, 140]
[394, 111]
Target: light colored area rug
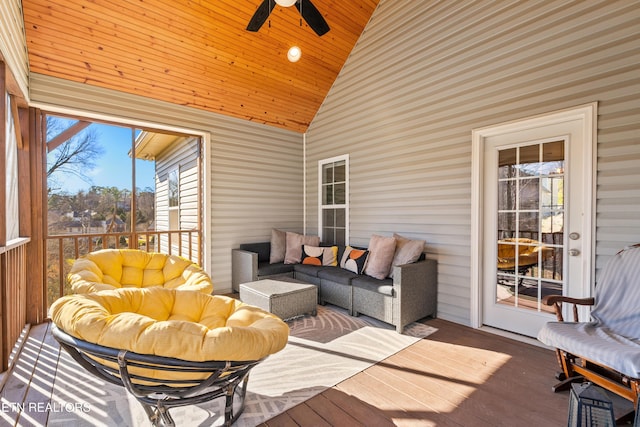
[322, 351]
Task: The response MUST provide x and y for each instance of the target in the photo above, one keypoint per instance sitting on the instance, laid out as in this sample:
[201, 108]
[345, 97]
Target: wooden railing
[13, 286]
[63, 249]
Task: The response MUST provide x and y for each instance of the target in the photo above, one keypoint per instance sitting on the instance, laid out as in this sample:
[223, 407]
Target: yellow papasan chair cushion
[180, 324]
[132, 268]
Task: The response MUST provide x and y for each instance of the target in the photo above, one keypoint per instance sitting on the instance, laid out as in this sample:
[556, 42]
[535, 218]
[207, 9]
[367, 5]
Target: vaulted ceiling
[197, 53]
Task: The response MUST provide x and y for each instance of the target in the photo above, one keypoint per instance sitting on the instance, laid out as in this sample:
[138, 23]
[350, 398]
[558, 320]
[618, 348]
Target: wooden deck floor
[456, 377]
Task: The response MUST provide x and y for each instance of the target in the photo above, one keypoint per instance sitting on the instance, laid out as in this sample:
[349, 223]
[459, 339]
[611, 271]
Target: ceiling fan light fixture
[294, 54]
[309, 13]
[285, 3]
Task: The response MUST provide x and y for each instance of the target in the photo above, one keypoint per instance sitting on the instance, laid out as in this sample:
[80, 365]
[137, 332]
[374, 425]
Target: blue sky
[113, 167]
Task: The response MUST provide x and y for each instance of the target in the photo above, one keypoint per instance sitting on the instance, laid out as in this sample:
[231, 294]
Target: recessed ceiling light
[294, 54]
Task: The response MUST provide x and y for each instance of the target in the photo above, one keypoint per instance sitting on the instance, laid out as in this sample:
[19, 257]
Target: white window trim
[345, 158]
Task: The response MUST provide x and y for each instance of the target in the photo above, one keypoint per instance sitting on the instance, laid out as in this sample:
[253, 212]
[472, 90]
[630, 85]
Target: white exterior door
[535, 229]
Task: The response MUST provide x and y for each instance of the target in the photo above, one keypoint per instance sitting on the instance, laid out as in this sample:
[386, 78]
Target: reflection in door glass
[530, 224]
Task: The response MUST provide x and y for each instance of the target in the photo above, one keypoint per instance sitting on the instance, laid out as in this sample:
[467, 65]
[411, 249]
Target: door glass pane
[553, 152]
[551, 227]
[507, 195]
[530, 224]
[552, 263]
[506, 225]
[529, 160]
[529, 192]
[506, 163]
[552, 193]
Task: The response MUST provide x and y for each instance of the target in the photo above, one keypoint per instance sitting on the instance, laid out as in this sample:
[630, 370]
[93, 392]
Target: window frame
[170, 174]
[173, 211]
[321, 206]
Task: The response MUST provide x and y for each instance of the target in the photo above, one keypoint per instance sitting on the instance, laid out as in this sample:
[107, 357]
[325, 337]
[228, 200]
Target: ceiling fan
[311, 15]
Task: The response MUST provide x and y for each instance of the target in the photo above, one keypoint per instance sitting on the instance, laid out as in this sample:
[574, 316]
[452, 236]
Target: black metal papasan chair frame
[227, 378]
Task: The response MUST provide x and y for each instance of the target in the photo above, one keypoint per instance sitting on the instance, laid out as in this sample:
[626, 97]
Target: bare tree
[145, 205]
[76, 156]
[111, 196]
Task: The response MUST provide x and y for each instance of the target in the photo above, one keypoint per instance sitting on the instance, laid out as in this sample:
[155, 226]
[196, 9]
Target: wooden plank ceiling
[197, 52]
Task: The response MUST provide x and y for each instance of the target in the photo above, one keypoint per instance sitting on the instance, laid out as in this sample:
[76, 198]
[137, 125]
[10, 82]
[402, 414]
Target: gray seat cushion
[266, 269]
[369, 283]
[309, 270]
[337, 275]
[598, 344]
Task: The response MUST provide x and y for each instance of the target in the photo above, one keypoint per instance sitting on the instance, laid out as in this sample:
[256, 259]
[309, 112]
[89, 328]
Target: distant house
[78, 223]
[83, 227]
[119, 225]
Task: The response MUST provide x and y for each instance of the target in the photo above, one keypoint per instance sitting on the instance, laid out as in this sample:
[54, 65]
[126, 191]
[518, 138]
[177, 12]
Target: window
[333, 215]
[173, 184]
[174, 189]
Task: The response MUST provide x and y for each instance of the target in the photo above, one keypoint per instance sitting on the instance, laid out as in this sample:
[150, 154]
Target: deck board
[41, 386]
[23, 380]
[358, 409]
[333, 412]
[456, 377]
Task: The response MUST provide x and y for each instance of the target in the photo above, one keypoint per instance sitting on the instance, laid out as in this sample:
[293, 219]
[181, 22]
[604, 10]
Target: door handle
[574, 252]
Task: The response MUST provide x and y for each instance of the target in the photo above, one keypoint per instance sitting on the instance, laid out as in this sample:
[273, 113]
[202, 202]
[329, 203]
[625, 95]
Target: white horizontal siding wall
[254, 171]
[13, 48]
[423, 75]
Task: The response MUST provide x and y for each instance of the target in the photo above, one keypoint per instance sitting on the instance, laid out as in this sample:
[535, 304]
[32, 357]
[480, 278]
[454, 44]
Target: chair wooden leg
[567, 376]
[566, 384]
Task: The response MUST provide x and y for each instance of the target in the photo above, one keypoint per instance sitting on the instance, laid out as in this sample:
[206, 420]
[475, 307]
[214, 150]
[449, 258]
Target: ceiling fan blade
[261, 15]
[312, 16]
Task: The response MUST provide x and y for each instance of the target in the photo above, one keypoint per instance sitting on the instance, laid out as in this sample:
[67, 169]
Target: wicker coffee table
[284, 298]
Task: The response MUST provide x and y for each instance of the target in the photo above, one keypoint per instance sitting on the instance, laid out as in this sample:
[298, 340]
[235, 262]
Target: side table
[284, 298]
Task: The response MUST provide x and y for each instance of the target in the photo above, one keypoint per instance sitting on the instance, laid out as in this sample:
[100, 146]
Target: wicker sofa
[409, 296]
